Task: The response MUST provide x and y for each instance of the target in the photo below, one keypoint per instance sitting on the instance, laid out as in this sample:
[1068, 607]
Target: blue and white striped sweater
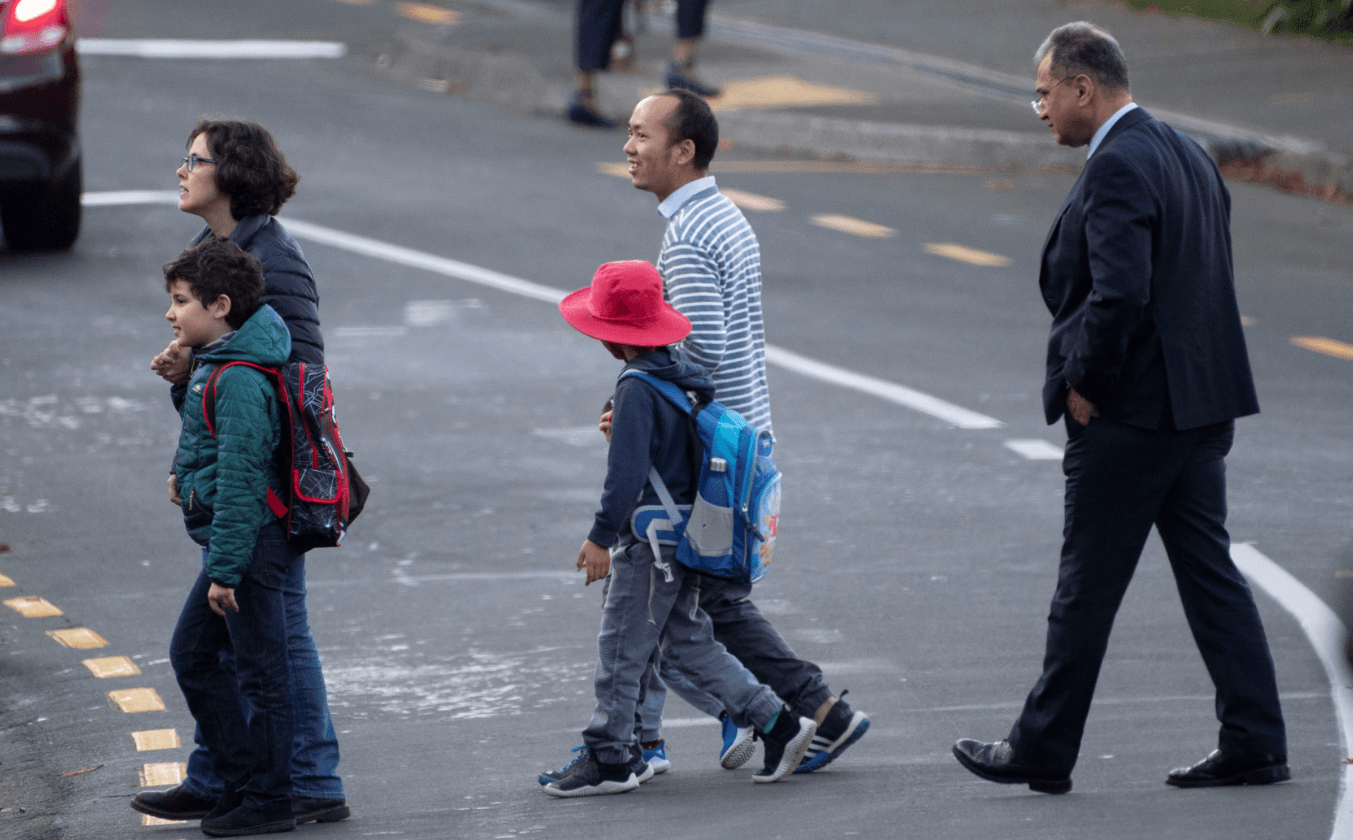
[711, 269]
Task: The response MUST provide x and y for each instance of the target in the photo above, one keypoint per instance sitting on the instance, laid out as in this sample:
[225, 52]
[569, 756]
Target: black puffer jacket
[288, 285]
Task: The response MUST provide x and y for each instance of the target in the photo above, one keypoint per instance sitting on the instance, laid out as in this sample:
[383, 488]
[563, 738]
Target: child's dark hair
[249, 166]
[215, 267]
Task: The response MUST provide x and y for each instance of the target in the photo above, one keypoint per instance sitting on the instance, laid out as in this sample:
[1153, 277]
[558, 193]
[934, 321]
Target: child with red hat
[651, 600]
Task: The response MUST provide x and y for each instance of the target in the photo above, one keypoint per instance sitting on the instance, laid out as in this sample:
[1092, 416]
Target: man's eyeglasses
[193, 160]
[1037, 103]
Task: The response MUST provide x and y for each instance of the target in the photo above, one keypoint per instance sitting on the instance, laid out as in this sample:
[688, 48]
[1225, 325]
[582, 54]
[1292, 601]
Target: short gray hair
[1082, 47]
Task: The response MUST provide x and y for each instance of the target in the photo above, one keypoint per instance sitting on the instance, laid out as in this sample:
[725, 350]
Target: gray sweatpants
[651, 606]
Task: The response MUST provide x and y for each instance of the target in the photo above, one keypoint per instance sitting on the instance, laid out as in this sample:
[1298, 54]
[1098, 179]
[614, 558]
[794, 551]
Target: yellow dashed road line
[4, 581]
[428, 14]
[147, 819]
[133, 700]
[965, 254]
[848, 224]
[112, 666]
[169, 773]
[33, 606]
[1328, 346]
[752, 201]
[764, 93]
[78, 637]
[156, 739]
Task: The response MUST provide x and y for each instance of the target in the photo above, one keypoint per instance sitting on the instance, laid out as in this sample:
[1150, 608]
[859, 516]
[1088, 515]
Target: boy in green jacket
[222, 472]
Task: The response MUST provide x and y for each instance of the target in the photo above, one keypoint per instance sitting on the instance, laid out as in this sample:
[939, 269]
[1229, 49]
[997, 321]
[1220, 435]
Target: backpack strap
[674, 395]
[276, 505]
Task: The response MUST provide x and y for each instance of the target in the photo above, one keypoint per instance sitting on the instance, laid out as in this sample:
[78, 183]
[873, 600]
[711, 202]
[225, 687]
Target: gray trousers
[654, 606]
[741, 628]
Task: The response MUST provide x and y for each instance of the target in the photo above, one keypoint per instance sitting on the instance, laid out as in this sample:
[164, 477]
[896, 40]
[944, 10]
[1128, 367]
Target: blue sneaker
[840, 728]
[656, 756]
[739, 745]
[555, 775]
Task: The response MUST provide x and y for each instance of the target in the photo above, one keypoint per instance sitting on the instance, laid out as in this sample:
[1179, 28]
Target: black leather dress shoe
[173, 804]
[1220, 769]
[996, 763]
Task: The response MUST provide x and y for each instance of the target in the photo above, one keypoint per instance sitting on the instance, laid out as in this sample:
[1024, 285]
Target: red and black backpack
[323, 491]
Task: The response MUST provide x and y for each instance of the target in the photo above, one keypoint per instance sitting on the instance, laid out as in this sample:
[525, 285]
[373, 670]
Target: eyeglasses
[1037, 103]
[193, 160]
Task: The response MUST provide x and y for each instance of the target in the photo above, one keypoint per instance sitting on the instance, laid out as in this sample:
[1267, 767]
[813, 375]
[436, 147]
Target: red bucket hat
[624, 305]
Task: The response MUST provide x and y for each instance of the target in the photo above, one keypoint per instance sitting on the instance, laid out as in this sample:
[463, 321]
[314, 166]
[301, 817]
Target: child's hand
[221, 598]
[172, 364]
[605, 424]
[595, 559]
[174, 490]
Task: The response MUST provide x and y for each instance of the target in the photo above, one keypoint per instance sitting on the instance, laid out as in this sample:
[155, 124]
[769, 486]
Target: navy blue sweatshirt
[648, 431]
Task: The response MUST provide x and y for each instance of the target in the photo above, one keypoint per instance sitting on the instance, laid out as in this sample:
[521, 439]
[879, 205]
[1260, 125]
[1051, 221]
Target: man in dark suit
[1147, 363]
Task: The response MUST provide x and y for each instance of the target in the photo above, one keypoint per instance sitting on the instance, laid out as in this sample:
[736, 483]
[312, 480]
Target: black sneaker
[555, 775]
[840, 728]
[583, 111]
[588, 777]
[229, 801]
[683, 76]
[642, 770]
[173, 804]
[786, 743]
[246, 821]
[308, 809]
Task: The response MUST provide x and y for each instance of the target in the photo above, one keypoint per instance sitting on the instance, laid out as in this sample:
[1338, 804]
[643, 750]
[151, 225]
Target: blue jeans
[741, 628]
[655, 606]
[314, 759]
[253, 756]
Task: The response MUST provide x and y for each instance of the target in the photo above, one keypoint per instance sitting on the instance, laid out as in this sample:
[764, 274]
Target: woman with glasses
[236, 179]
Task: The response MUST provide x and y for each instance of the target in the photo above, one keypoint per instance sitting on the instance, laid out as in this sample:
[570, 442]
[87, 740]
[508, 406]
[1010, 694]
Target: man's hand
[172, 364]
[595, 559]
[221, 598]
[174, 490]
[1080, 409]
[605, 424]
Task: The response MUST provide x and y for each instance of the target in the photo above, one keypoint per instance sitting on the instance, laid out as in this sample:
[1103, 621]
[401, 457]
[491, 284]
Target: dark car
[39, 147]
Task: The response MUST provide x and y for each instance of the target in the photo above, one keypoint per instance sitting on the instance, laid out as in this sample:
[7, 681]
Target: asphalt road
[916, 559]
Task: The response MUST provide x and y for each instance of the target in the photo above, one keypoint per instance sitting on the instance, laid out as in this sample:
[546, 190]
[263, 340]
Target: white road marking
[1035, 449]
[1326, 633]
[199, 49]
[370, 332]
[117, 198]
[900, 394]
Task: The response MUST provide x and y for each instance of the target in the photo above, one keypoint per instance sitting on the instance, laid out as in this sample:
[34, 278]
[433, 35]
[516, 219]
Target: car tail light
[30, 26]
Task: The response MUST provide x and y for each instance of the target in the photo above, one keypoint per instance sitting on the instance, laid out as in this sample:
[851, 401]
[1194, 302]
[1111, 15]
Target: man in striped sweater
[711, 268]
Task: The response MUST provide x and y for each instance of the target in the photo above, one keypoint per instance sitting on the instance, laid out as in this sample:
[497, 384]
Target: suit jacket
[1137, 274]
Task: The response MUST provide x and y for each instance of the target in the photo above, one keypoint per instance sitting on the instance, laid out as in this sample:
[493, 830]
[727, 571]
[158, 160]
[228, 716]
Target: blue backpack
[730, 529]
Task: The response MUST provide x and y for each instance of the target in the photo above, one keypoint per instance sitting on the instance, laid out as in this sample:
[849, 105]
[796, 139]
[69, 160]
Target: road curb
[511, 80]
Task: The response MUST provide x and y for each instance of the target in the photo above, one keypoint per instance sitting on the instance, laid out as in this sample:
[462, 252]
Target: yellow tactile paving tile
[4, 581]
[136, 700]
[78, 637]
[156, 739]
[169, 773]
[428, 13]
[962, 253]
[112, 666]
[851, 225]
[33, 606]
[766, 93]
[752, 201]
[1327, 346]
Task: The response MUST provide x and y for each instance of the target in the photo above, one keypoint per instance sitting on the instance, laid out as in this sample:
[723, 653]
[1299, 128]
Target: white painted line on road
[118, 198]
[899, 394]
[370, 332]
[1035, 449]
[198, 49]
[1326, 634]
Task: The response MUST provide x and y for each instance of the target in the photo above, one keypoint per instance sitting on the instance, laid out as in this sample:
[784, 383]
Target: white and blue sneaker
[656, 756]
[739, 745]
[840, 728]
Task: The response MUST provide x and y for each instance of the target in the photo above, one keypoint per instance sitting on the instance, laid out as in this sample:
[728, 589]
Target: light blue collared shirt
[670, 205]
[1108, 124]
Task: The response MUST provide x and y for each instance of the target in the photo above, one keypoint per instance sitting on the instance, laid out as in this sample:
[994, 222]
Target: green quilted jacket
[224, 479]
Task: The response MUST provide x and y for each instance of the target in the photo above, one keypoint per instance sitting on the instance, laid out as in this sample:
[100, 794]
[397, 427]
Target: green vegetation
[1330, 19]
